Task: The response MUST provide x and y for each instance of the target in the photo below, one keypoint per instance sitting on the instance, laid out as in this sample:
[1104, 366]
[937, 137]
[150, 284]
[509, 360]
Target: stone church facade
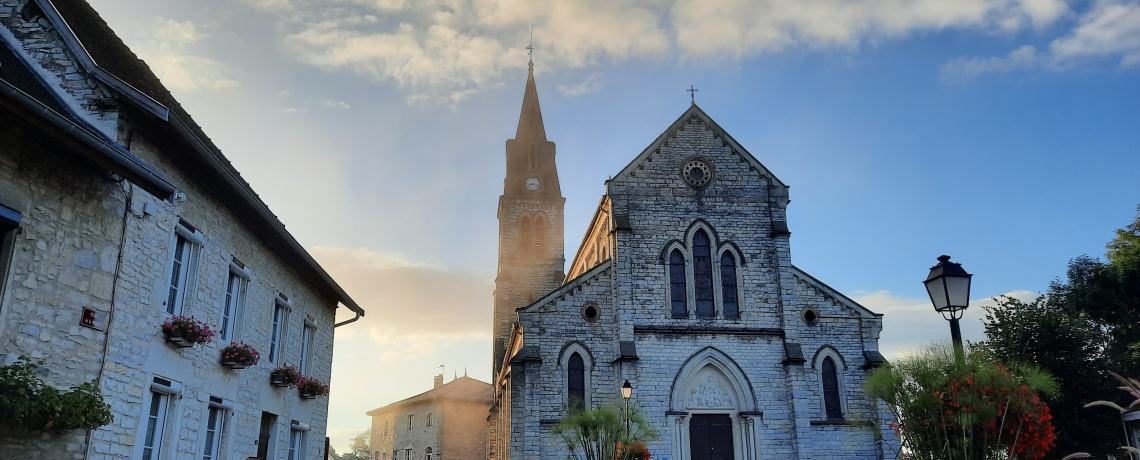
[684, 286]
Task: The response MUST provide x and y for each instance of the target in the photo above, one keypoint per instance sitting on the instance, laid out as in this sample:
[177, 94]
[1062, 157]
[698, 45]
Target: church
[683, 285]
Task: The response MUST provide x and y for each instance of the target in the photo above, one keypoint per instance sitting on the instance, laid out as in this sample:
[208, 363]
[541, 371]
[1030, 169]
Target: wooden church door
[710, 437]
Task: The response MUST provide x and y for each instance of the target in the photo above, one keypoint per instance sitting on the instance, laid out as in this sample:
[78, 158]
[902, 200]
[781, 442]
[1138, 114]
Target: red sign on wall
[96, 320]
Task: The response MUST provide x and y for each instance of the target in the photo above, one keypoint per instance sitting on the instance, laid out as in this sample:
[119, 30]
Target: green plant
[599, 434]
[312, 387]
[27, 402]
[978, 409]
[187, 329]
[240, 353]
[285, 376]
[1133, 388]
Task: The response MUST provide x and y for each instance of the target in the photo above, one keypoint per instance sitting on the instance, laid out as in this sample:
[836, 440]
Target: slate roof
[462, 388]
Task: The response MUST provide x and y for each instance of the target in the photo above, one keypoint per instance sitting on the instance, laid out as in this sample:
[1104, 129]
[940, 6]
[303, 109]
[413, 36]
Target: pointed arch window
[728, 285]
[677, 293]
[831, 389]
[524, 233]
[702, 275]
[540, 233]
[576, 382]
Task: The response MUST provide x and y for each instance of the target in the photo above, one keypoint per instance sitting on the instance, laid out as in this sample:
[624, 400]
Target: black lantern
[949, 288]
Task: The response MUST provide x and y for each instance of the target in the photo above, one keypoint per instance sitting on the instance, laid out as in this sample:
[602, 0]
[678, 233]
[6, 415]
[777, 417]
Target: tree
[601, 434]
[360, 448]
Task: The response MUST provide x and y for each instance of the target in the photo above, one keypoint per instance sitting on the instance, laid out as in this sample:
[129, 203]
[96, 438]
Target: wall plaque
[93, 319]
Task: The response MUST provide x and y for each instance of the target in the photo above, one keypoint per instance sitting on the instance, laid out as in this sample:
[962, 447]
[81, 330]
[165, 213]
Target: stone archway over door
[708, 410]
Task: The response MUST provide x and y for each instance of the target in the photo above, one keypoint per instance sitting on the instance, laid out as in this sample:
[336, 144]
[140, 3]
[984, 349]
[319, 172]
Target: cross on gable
[692, 94]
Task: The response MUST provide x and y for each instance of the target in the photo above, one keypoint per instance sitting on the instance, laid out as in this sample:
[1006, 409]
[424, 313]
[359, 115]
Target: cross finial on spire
[692, 94]
[530, 47]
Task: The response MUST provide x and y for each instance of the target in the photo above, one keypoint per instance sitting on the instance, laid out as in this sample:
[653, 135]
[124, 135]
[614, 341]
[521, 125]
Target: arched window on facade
[540, 233]
[430, 421]
[831, 389]
[576, 382]
[677, 293]
[524, 233]
[728, 285]
[702, 275]
[427, 454]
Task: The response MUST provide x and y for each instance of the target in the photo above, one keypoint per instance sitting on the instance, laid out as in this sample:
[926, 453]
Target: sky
[1005, 133]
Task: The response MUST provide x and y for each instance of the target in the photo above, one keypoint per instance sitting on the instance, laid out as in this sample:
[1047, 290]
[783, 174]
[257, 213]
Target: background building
[448, 422]
[118, 213]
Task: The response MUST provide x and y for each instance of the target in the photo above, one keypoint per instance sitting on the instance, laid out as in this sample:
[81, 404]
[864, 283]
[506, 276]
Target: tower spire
[530, 119]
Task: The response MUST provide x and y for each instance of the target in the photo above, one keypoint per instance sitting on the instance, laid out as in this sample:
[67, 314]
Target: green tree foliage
[976, 410]
[600, 433]
[27, 402]
[360, 448]
[1086, 325]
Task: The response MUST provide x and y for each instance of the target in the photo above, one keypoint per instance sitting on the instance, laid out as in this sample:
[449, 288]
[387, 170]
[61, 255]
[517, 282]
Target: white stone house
[117, 212]
[683, 285]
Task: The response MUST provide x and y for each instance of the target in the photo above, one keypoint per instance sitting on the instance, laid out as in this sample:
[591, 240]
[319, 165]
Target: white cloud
[439, 51]
[1109, 30]
[409, 301]
[587, 86]
[165, 48]
[910, 323]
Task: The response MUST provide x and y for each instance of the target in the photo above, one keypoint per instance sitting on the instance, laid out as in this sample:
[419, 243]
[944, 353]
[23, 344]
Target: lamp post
[949, 288]
[626, 393]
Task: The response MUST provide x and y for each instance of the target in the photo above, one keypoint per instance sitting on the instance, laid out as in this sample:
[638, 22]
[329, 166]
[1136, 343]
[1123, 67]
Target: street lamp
[949, 288]
[626, 393]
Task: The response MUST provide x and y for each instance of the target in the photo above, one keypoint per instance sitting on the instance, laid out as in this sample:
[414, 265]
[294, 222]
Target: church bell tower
[531, 237]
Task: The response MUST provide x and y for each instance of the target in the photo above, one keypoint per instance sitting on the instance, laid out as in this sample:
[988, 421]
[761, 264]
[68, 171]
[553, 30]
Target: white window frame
[296, 445]
[160, 404]
[233, 304]
[587, 368]
[411, 421]
[277, 328]
[429, 420]
[840, 373]
[308, 331]
[212, 445]
[182, 270]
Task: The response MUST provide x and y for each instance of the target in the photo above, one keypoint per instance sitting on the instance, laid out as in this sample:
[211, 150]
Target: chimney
[438, 381]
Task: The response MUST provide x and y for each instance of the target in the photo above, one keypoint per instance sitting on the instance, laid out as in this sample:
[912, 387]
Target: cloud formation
[587, 86]
[439, 51]
[1109, 30]
[166, 49]
[405, 300]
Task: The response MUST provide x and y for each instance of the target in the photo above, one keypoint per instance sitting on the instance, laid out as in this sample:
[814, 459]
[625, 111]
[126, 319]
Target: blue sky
[1005, 133]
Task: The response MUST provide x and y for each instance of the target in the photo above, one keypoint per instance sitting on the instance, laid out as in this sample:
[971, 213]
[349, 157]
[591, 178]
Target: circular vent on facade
[810, 316]
[591, 312]
[697, 172]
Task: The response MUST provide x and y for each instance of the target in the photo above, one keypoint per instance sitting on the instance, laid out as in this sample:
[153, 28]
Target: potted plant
[239, 355]
[311, 388]
[185, 332]
[285, 376]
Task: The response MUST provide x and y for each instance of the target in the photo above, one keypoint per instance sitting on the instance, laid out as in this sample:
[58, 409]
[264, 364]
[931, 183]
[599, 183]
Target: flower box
[311, 388]
[239, 355]
[185, 332]
[285, 376]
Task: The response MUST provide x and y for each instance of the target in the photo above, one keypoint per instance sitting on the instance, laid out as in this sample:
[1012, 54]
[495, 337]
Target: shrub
[978, 409]
[27, 402]
[601, 433]
[188, 329]
[240, 353]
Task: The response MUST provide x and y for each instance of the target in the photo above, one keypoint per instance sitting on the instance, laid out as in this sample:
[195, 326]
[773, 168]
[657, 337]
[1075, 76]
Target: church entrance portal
[710, 437]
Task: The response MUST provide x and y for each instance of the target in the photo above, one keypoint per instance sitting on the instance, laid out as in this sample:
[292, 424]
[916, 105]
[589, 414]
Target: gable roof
[569, 285]
[695, 112]
[104, 56]
[462, 388]
[834, 294]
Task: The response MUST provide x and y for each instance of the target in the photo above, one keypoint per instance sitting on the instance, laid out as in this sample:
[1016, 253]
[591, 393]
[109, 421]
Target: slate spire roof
[530, 120]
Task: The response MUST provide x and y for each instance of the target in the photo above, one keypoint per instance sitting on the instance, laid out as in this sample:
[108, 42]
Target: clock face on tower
[532, 183]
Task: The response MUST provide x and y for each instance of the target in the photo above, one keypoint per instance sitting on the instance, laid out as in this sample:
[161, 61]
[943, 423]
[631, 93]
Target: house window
[215, 421]
[407, 454]
[576, 382]
[233, 309]
[427, 454]
[831, 389]
[429, 420]
[702, 275]
[306, 348]
[296, 445]
[395, 455]
[9, 222]
[182, 267]
[678, 295]
[729, 304]
[276, 330]
[155, 425]
[524, 233]
[265, 435]
[411, 421]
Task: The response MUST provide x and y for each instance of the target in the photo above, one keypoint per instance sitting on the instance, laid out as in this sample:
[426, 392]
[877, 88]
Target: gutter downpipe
[342, 323]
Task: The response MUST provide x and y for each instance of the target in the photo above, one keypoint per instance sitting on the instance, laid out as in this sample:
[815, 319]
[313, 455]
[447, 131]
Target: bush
[979, 409]
[27, 402]
[600, 434]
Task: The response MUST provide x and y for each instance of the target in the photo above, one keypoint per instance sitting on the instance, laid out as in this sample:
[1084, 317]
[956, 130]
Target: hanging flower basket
[185, 332]
[239, 355]
[285, 376]
[311, 388]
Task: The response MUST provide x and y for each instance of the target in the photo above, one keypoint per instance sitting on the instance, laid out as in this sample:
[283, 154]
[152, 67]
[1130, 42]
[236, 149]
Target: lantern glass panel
[959, 289]
[937, 291]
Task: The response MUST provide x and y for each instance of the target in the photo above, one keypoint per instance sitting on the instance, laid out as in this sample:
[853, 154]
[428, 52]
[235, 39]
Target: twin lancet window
[532, 233]
[701, 277]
